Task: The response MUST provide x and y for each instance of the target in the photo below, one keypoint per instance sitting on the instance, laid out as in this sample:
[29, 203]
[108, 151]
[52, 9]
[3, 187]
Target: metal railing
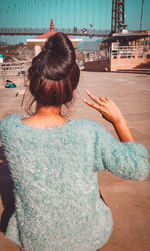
[98, 55]
[115, 52]
[69, 31]
[127, 51]
[14, 69]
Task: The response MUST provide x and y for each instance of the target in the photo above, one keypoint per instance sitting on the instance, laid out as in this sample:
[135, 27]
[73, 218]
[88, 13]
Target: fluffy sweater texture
[57, 202]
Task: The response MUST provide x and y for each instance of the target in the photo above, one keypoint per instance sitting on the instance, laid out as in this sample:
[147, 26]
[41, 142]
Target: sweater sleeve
[125, 159]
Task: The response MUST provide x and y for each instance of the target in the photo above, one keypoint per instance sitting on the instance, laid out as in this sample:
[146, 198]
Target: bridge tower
[118, 15]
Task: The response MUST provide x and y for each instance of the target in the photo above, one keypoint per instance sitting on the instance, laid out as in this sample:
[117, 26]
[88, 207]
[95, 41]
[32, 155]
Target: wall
[103, 65]
[129, 63]
[116, 64]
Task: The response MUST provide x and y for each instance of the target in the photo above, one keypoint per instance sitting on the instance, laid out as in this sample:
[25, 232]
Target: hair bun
[56, 61]
[57, 57]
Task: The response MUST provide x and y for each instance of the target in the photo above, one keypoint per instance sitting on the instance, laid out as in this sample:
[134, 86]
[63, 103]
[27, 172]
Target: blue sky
[69, 13]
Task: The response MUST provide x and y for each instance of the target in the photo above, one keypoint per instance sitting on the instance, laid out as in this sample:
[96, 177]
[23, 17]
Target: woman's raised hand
[111, 113]
[106, 107]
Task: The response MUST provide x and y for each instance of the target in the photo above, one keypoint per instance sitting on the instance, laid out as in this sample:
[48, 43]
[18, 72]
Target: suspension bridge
[68, 31]
[74, 17]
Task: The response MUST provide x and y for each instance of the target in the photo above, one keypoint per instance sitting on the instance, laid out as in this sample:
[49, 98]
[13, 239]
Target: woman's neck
[48, 111]
[46, 116]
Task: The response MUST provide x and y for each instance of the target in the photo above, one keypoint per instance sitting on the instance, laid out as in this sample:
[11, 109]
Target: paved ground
[128, 200]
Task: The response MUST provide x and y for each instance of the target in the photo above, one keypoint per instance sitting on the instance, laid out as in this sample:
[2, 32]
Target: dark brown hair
[54, 73]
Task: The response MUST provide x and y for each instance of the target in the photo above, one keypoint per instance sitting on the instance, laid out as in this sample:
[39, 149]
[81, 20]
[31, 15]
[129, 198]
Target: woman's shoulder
[13, 125]
[85, 124]
[92, 123]
[10, 118]
[93, 128]
[9, 122]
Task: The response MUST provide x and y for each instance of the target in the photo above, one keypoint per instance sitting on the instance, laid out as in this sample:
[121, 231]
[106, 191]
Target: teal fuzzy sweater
[57, 202]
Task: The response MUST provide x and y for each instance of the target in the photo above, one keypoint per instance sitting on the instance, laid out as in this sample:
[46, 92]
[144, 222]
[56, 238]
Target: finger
[93, 97]
[92, 105]
[102, 99]
[108, 99]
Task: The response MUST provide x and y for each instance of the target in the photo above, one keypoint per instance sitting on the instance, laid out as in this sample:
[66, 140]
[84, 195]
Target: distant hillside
[18, 52]
[21, 52]
[90, 45]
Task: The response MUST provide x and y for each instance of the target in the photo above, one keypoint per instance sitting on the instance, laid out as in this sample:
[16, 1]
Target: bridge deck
[37, 31]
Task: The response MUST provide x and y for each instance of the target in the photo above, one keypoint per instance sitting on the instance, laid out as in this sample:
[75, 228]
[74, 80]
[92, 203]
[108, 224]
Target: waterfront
[128, 200]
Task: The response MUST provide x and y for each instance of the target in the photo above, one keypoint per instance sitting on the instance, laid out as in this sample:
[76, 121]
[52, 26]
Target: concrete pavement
[128, 200]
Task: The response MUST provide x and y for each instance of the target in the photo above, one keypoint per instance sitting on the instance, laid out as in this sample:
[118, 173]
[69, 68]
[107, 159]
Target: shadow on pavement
[135, 71]
[6, 192]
